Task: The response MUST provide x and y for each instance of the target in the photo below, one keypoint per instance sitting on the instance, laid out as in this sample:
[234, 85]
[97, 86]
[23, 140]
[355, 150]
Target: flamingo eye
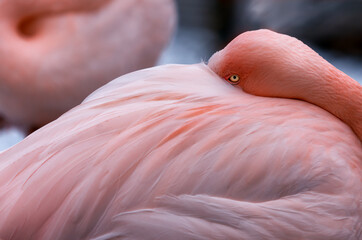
[234, 79]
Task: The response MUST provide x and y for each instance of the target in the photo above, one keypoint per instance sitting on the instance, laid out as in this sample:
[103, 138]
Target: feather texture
[174, 152]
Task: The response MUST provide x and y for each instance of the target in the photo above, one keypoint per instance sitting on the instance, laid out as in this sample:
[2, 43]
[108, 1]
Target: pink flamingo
[174, 152]
[55, 53]
[284, 67]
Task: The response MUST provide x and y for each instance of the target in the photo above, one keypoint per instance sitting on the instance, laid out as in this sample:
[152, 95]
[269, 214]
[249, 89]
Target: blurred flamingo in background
[174, 152]
[55, 53]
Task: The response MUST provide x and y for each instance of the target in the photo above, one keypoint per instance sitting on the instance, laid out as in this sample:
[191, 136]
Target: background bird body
[175, 152]
[54, 54]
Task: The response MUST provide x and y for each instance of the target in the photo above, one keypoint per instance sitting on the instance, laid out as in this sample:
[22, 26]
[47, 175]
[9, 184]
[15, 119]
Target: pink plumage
[174, 152]
[53, 54]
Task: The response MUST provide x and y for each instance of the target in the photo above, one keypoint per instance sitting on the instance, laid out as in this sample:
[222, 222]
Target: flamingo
[285, 67]
[175, 152]
[55, 53]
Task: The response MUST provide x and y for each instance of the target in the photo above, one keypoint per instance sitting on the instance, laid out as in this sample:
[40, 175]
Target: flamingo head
[269, 64]
[266, 63]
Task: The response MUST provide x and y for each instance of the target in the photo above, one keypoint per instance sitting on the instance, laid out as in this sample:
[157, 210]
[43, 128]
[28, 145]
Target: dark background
[333, 28]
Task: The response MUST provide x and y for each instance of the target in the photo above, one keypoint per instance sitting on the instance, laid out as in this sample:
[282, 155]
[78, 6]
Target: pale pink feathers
[55, 53]
[173, 152]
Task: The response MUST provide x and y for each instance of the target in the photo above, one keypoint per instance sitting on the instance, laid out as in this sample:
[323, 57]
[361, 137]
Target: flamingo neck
[342, 96]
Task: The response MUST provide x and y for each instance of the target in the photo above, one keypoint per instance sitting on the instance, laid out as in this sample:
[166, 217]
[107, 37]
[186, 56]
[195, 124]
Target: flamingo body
[52, 55]
[173, 152]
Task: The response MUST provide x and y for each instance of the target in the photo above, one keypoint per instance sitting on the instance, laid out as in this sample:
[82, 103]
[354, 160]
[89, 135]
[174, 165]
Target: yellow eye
[234, 78]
